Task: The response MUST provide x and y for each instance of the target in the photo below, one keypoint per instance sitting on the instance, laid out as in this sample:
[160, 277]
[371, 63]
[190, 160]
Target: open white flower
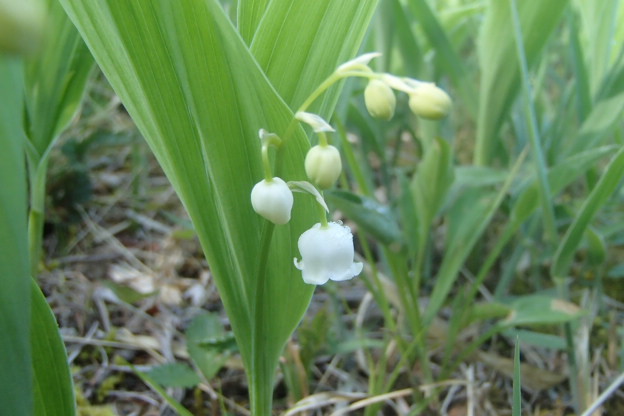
[327, 254]
[273, 200]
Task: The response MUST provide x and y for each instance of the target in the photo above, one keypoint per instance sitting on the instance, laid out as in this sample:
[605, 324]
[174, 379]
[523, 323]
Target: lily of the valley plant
[199, 88]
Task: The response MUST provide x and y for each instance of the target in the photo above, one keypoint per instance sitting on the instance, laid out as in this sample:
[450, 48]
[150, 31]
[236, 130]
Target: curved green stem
[322, 215]
[266, 164]
[323, 138]
[324, 86]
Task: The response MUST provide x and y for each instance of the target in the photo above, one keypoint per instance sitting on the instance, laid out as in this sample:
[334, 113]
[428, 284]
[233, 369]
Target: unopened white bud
[429, 101]
[323, 165]
[380, 100]
[273, 200]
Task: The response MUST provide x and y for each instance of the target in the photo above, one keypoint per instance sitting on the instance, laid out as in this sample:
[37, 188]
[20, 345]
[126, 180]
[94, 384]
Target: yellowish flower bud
[323, 165]
[429, 101]
[380, 100]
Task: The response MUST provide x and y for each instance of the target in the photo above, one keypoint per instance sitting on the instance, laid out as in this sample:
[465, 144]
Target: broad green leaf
[199, 98]
[204, 336]
[540, 310]
[537, 339]
[601, 193]
[300, 43]
[53, 387]
[174, 375]
[370, 215]
[15, 355]
[249, 14]
[474, 176]
[172, 402]
[500, 70]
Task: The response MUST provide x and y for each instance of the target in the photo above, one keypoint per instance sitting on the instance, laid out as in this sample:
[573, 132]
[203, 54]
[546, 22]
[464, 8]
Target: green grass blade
[55, 80]
[199, 98]
[474, 214]
[430, 186]
[598, 23]
[539, 160]
[407, 42]
[601, 193]
[499, 63]
[450, 61]
[53, 387]
[15, 355]
[516, 406]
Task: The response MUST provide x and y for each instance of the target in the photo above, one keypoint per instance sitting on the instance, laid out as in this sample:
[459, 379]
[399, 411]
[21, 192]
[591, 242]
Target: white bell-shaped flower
[273, 200]
[327, 254]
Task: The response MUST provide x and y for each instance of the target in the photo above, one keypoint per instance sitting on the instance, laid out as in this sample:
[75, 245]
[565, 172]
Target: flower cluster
[426, 100]
[327, 248]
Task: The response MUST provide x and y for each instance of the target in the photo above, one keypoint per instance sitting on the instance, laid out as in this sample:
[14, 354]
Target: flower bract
[273, 200]
[327, 254]
[315, 121]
